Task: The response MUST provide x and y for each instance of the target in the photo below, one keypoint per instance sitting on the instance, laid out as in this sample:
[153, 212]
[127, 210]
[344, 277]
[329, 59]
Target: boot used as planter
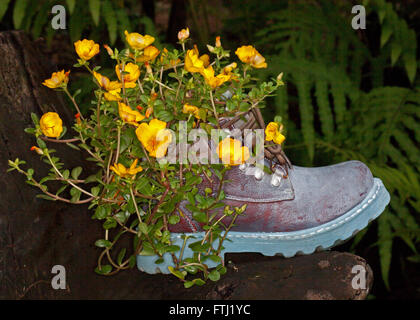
[183, 215]
[292, 210]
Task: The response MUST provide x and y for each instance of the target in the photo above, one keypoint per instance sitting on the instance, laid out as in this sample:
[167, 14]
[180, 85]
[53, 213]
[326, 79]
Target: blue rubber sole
[287, 244]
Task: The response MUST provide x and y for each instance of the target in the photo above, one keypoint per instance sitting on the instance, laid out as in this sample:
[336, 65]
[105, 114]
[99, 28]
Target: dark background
[349, 94]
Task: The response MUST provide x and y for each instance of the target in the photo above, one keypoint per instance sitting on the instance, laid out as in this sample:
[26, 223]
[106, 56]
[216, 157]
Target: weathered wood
[36, 234]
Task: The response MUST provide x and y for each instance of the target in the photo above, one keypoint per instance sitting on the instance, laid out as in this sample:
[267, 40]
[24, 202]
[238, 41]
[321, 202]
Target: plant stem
[118, 144]
[74, 102]
[60, 141]
[98, 113]
[135, 203]
[214, 108]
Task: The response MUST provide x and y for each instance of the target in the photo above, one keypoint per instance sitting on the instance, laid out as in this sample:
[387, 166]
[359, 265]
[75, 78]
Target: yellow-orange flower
[58, 80]
[214, 81]
[188, 108]
[195, 63]
[130, 78]
[272, 133]
[228, 69]
[138, 41]
[231, 152]
[86, 49]
[154, 137]
[51, 124]
[113, 95]
[105, 83]
[149, 54]
[250, 55]
[124, 172]
[183, 34]
[113, 88]
[129, 115]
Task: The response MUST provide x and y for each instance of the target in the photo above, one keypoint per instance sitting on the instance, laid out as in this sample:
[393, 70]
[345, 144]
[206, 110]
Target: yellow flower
[191, 109]
[86, 49]
[105, 83]
[213, 81]
[194, 63]
[51, 124]
[250, 55]
[57, 80]
[270, 130]
[279, 138]
[272, 133]
[113, 88]
[137, 41]
[131, 77]
[149, 54]
[228, 69]
[113, 95]
[206, 60]
[124, 172]
[183, 34]
[129, 115]
[154, 137]
[231, 152]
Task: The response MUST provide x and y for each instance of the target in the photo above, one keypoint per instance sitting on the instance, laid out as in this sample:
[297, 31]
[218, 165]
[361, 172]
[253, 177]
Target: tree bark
[177, 20]
[36, 234]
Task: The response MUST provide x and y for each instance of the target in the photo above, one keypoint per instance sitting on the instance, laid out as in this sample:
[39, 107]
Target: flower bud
[37, 150]
[183, 34]
[218, 43]
[210, 48]
[148, 68]
[149, 111]
[109, 50]
[279, 79]
[77, 117]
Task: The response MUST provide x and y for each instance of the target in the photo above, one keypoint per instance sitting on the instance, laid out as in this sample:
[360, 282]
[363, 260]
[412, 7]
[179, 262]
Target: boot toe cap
[325, 193]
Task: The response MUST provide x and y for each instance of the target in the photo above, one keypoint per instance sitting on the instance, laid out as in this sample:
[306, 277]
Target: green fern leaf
[385, 246]
[19, 12]
[111, 22]
[95, 10]
[71, 4]
[3, 7]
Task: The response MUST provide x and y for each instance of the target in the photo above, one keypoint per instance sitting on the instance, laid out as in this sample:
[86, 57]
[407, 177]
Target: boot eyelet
[275, 180]
[243, 167]
[259, 174]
